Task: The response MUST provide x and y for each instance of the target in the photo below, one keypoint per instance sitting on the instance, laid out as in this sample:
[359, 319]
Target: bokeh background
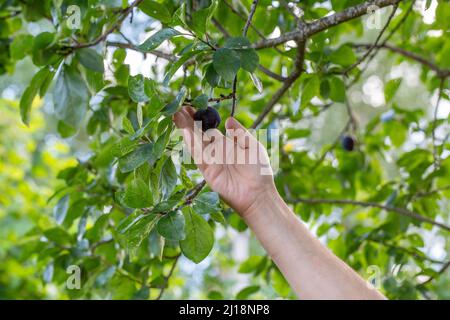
[31, 158]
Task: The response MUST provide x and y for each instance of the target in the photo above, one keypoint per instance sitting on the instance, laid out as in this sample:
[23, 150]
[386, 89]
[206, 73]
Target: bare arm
[311, 269]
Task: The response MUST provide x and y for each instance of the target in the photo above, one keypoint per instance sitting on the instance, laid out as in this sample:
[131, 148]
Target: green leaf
[58, 235]
[155, 10]
[442, 56]
[60, 210]
[337, 89]
[310, 90]
[136, 88]
[211, 76]
[64, 130]
[201, 18]
[175, 66]
[206, 203]
[173, 106]
[171, 225]
[21, 46]
[136, 158]
[127, 125]
[39, 80]
[42, 51]
[237, 43]
[246, 292]
[200, 101]
[72, 97]
[251, 264]
[179, 16]
[249, 59]
[226, 62]
[137, 194]
[294, 133]
[168, 178]
[161, 143]
[159, 37]
[123, 146]
[391, 88]
[139, 230]
[90, 59]
[343, 56]
[199, 237]
[257, 82]
[170, 203]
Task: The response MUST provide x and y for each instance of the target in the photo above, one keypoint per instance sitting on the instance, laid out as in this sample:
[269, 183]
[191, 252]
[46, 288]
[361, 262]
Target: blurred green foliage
[89, 181]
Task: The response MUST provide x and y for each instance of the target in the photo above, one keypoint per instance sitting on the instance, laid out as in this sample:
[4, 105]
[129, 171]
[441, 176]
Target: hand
[241, 184]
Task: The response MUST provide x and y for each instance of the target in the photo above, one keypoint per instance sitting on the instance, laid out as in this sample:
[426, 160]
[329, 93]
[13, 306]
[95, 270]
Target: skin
[312, 270]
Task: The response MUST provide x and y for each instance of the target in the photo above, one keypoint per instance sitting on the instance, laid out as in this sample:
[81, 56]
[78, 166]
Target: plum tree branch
[414, 253]
[436, 156]
[243, 18]
[250, 17]
[401, 211]
[441, 271]
[123, 15]
[298, 69]
[325, 23]
[244, 34]
[374, 45]
[263, 69]
[442, 73]
[166, 278]
[159, 54]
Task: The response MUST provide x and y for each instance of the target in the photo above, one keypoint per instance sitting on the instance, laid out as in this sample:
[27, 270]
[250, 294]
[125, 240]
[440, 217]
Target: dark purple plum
[348, 143]
[209, 117]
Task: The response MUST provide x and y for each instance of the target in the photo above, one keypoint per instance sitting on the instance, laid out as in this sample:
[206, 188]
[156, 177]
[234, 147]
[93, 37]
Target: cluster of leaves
[127, 212]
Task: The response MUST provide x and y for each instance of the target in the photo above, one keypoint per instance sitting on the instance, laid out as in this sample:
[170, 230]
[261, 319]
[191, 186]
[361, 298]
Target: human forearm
[311, 269]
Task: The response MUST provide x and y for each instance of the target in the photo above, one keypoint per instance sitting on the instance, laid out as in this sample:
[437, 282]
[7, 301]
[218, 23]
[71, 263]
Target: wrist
[264, 200]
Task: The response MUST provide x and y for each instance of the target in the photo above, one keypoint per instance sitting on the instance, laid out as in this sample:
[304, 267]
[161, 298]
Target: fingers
[239, 133]
[184, 119]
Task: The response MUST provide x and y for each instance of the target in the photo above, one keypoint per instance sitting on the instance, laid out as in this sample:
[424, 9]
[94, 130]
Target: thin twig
[416, 254]
[271, 74]
[377, 47]
[250, 17]
[124, 13]
[166, 278]
[298, 69]
[244, 34]
[401, 211]
[218, 99]
[220, 27]
[442, 73]
[441, 271]
[436, 156]
[243, 18]
[374, 45]
[11, 14]
[159, 54]
[431, 192]
[266, 71]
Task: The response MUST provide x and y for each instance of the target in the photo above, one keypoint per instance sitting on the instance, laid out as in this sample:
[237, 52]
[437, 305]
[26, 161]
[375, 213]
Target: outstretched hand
[236, 165]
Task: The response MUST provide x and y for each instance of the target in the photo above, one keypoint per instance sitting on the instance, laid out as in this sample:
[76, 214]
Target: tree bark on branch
[324, 23]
